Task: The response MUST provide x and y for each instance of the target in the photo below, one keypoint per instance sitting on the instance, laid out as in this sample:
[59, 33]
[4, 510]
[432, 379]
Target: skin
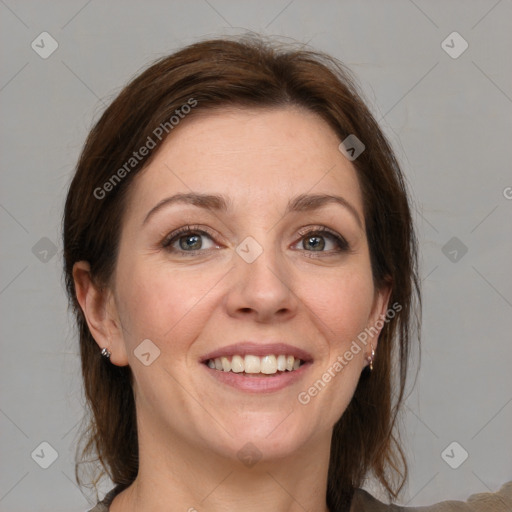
[191, 427]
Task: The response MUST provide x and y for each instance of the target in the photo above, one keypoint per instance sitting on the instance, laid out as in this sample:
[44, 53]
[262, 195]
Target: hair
[244, 72]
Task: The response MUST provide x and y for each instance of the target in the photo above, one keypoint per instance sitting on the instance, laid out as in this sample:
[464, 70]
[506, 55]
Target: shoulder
[500, 501]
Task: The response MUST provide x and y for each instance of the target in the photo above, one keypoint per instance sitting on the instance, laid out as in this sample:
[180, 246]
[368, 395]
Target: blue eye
[191, 239]
[188, 239]
[323, 240]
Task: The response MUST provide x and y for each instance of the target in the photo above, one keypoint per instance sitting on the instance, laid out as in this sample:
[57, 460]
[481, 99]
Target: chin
[268, 440]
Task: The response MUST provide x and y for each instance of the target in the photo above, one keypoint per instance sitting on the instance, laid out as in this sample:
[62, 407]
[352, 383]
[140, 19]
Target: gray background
[449, 120]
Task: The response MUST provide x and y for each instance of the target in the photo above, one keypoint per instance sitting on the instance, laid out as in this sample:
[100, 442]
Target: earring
[370, 358]
[105, 352]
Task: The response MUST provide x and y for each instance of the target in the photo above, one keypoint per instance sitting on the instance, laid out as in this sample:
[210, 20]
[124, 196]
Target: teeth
[226, 365]
[252, 364]
[237, 364]
[268, 365]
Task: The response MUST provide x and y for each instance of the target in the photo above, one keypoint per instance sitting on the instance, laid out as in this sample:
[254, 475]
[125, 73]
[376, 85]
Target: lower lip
[258, 384]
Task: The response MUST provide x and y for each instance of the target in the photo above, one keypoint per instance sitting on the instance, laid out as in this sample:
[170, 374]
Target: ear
[379, 310]
[100, 312]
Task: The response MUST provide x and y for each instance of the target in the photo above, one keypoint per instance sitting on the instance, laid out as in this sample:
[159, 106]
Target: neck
[187, 478]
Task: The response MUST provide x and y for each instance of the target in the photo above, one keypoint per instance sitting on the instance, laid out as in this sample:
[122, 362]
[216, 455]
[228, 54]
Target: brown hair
[245, 72]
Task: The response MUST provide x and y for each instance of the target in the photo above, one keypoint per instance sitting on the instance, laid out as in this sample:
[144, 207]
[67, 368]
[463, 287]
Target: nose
[262, 290]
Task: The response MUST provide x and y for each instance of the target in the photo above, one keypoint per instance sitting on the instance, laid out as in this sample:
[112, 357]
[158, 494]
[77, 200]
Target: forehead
[257, 158]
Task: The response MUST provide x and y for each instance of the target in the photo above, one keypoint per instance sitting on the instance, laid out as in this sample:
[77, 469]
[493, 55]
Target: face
[232, 245]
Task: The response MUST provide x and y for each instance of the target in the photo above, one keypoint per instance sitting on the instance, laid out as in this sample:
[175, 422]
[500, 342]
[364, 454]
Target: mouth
[256, 367]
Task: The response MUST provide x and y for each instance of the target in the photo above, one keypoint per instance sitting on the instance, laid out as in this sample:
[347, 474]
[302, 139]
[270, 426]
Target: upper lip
[258, 349]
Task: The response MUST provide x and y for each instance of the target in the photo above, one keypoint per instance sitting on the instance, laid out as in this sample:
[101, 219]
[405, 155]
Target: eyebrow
[310, 202]
[205, 201]
[301, 203]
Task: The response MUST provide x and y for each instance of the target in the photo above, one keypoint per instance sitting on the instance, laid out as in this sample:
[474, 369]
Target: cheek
[343, 303]
[155, 301]
[342, 307]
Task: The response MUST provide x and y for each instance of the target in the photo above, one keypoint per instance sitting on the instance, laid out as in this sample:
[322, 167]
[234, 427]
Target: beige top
[500, 501]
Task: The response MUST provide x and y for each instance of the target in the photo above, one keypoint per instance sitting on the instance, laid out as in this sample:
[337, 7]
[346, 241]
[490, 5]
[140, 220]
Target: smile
[256, 365]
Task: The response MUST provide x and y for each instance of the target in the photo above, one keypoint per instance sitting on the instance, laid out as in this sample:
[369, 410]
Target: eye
[192, 239]
[321, 239]
[188, 239]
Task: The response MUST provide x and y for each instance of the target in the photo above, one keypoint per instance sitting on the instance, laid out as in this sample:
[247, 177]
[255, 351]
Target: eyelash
[342, 244]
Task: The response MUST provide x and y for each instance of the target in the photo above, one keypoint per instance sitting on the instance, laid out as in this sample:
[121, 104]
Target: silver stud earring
[105, 352]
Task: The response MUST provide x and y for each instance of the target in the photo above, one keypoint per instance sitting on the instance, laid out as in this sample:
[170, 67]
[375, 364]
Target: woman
[240, 257]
